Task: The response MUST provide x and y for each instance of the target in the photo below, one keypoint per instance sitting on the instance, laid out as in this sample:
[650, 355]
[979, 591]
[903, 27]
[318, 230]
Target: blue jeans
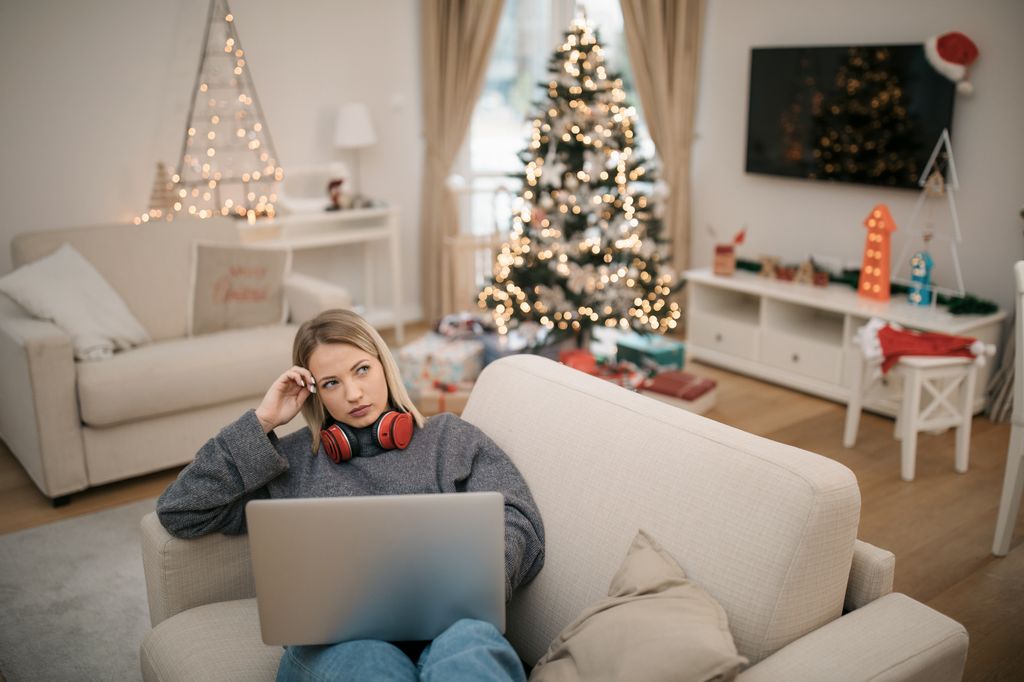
[468, 650]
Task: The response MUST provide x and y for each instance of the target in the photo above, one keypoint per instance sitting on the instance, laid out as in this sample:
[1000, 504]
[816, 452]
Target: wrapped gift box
[651, 351]
[682, 389]
[604, 342]
[435, 397]
[580, 359]
[625, 374]
[435, 358]
[516, 341]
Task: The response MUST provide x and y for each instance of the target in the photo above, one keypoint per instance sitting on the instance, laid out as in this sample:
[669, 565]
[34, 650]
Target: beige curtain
[664, 44]
[456, 38]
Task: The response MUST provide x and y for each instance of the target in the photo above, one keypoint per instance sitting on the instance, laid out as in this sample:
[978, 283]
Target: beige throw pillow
[236, 287]
[654, 625]
[66, 289]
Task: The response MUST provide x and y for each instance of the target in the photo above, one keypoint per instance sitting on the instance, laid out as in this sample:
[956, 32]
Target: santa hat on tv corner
[950, 54]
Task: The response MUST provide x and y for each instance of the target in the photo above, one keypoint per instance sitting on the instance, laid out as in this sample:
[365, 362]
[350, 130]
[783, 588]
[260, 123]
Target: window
[528, 34]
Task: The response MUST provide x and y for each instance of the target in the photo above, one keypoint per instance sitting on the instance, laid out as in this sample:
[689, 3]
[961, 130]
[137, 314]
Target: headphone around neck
[392, 431]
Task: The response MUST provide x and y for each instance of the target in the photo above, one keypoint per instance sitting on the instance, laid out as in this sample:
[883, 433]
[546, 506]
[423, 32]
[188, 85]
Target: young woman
[344, 381]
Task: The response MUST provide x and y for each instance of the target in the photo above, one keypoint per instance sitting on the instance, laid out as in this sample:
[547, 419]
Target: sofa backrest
[766, 528]
[149, 265]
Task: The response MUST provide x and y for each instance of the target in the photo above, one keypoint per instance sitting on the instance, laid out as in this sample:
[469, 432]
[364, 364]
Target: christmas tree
[161, 199]
[228, 165]
[584, 247]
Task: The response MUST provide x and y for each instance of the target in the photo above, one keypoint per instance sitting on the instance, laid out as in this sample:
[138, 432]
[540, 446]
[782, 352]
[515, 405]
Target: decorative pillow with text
[236, 287]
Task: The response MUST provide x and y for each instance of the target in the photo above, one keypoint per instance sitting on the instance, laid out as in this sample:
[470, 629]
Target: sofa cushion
[237, 287]
[66, 289]
[181, 374]
[653, 625]
[149, 265]
[218, 641]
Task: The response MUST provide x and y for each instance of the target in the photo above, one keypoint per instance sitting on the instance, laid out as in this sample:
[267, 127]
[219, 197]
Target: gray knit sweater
[447, 455]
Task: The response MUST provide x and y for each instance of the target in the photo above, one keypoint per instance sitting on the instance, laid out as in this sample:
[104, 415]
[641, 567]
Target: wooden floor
[939, 526]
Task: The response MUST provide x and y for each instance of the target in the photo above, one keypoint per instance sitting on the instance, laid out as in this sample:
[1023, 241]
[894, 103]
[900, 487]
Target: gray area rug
[73, 598]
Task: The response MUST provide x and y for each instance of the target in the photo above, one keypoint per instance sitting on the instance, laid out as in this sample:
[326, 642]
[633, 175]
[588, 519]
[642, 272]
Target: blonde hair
[344, 326]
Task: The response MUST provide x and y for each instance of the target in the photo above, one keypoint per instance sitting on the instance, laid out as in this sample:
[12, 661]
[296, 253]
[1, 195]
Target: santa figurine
[334, 192]
[950, 54]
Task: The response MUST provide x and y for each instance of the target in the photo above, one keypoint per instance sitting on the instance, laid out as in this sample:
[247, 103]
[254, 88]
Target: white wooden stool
[938, 393]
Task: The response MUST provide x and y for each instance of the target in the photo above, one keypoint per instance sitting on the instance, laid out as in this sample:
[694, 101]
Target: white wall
[795, 218]
[95, 93]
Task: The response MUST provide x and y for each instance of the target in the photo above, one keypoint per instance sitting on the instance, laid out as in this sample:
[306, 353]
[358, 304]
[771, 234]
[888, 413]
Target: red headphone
[392, 431]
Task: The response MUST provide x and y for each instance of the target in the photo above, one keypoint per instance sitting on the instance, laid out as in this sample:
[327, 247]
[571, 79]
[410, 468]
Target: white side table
[328, 229]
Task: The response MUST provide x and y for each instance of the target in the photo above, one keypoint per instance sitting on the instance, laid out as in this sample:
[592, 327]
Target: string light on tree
[228, 165]
[584, 248]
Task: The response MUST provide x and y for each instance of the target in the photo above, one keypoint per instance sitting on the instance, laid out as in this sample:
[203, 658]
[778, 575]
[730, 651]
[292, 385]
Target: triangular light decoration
[228, 165]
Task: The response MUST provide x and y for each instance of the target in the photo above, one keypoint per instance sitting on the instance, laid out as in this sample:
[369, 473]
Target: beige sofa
[72, 424]
[769, 530]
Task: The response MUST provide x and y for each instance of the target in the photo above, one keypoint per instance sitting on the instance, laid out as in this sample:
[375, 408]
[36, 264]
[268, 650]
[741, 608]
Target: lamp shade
[354, 128]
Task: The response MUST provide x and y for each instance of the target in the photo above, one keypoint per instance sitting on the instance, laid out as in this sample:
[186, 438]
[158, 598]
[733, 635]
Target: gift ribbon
[442, 389]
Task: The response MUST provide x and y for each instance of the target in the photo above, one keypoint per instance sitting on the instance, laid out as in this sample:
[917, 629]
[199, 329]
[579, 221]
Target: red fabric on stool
[899, 342]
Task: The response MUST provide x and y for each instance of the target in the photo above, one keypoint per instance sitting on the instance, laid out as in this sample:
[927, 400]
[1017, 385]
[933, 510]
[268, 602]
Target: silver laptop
[387, 567]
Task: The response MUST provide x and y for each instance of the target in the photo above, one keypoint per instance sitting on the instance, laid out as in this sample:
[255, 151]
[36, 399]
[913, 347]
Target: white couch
[72, 424]
[769, 530]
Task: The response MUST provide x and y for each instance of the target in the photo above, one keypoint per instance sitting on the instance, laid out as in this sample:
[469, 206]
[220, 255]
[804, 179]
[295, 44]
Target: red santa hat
[950, 54]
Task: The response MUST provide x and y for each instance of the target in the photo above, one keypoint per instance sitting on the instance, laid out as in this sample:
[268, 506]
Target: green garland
[967, 304]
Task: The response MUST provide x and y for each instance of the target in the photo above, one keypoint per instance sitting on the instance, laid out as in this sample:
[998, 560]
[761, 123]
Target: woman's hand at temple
[285, 398]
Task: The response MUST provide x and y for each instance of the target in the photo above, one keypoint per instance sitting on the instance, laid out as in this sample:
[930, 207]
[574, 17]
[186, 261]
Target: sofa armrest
[871, 575]
[308, 297]
[182, 574]
[892, 638]
[39, 417]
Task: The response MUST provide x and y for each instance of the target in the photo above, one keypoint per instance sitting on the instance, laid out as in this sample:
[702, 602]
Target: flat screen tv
[869, 114]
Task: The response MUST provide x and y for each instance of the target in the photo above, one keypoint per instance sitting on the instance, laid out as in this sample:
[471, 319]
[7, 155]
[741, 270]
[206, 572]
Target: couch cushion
[65, 288]
[767, 529]
[212, 642]
[182, 374]
[653, 625]
[149, 265]
[237, 287]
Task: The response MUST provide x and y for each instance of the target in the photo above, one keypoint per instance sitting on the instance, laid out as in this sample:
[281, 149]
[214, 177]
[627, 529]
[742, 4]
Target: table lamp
[354, 130]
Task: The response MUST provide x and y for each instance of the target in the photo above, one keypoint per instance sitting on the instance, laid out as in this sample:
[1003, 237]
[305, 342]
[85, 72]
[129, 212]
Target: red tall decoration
[874, 271]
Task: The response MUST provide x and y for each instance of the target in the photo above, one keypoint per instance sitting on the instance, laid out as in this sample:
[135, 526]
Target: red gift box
[580, 359]
[682, 389]
[682, 385]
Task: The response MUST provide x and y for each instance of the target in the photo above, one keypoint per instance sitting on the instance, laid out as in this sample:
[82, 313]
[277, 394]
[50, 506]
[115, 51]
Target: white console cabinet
[314, 239]
[800, 336]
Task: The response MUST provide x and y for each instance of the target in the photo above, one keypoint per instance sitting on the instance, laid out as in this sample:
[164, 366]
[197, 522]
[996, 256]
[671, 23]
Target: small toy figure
[921, 277]
[334, 192]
